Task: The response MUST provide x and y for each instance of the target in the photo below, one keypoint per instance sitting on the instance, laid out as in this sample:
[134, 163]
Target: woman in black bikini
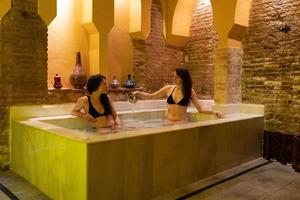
[97, 108]
[179, 97]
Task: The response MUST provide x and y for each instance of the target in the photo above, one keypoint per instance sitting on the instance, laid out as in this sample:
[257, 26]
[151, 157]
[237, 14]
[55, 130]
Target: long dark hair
[187, 82]
[93, 85]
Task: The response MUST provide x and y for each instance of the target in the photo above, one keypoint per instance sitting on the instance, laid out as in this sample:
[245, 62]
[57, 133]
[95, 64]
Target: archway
[231, 22]
[5, 6]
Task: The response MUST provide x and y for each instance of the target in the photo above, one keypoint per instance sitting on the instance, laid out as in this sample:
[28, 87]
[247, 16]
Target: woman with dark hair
[97, 108]
[179, 97]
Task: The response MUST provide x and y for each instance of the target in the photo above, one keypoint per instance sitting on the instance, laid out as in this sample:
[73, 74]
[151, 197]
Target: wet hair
[187, 82]
[93, 84]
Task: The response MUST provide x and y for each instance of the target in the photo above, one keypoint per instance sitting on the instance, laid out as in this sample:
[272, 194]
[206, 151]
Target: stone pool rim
[81, 136]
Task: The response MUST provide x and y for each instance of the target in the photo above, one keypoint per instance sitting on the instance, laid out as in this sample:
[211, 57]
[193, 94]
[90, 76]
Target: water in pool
[138, 124]
[132, 124]
[130, 121]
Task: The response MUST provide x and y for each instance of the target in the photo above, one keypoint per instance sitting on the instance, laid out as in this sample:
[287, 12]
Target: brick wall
[24, 53]
[235, 63]
[154, 61]
[271, 69]
[200, 50]
[4, 125]
[60, 96]
[23, 63]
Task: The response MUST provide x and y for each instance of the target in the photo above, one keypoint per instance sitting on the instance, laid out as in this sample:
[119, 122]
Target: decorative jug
[115, 83]
[129, 82]
[57, 82]
[78, 77]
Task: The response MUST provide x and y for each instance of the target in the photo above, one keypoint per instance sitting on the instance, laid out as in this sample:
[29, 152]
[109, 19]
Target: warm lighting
[183, 17]
[66, 36]
[87, 11]
[201, 3]
[242, 12]
[5, 6]
[64, 7]
[135, 16]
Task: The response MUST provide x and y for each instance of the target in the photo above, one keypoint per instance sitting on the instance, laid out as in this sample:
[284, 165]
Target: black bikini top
[93, 112]
[182, 102]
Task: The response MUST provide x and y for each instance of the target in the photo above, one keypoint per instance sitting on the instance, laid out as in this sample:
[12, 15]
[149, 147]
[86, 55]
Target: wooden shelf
[110, 90]
[67, 90]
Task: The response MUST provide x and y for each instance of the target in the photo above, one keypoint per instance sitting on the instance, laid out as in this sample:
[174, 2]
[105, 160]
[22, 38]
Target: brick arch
[47, 10]
[200, 50]
[5, 6]
[231, 28]
[140, 18]
[182, 17]
[154, 60]
[238, 22]
[180, 22]
[241, 20]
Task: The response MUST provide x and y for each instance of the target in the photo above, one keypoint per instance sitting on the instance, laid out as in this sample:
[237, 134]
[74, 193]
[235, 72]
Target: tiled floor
[270, 182]
[3, 196]
[19, 187]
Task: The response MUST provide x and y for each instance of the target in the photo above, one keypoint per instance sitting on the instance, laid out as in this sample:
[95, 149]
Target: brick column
[228, 66]
[4, 126]
[23, 63]
[200, 50]
[139, 64]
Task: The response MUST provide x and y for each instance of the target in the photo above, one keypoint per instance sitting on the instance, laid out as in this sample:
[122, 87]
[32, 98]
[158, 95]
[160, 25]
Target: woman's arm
[114, 112]
[158, 94]
[198, 107]
[81, 102]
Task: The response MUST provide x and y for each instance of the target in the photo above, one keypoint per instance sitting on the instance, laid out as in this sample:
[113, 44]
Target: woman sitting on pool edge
[179, 97]
[97, 108]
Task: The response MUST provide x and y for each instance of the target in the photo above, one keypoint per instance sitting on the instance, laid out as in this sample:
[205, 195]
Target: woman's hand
[89, 118]
[218, 114]
[117, 123]
[135, 93]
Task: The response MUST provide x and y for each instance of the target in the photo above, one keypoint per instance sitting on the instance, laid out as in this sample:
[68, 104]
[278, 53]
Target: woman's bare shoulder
[83, 99]
[168, 87]
[109, 98]
[194, 94]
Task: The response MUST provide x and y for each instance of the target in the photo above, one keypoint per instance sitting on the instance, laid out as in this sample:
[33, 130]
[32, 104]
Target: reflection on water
[127, 125]
[139, 124]
[154, 120]
[88, 129]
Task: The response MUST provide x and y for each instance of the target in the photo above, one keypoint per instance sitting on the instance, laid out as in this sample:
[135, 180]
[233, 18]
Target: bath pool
[50, 149]
[130, 120]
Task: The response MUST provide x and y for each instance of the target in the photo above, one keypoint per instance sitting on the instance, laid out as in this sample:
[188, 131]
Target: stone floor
[272, 181]
[257, 180]
[19, 187]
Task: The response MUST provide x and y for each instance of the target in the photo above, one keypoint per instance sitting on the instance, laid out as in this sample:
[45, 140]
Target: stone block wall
[201, 49]
[23, 63]
[271, 69]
